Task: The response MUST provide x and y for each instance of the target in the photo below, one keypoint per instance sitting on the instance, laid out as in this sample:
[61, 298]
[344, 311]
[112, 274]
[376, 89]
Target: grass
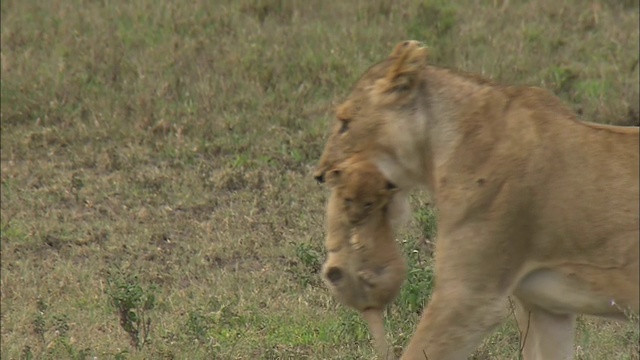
[156, 160]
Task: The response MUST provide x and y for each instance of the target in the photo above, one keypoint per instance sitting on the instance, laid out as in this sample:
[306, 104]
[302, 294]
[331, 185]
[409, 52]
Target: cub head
[360, 188]
[369, 121]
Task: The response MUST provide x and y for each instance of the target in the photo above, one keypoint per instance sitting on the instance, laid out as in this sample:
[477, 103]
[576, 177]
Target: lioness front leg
[544, 335]
[454, 322]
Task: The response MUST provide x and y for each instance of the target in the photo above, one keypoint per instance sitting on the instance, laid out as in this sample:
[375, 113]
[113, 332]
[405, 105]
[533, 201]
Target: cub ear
[408, 57]
[333, 177]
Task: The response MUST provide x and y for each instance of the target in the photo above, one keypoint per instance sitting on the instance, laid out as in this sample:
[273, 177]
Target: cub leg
[369, 277]
[375, 321]
[544, 335]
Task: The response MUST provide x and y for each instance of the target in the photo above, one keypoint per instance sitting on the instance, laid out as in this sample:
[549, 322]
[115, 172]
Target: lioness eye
[344, 127]
[368, 205]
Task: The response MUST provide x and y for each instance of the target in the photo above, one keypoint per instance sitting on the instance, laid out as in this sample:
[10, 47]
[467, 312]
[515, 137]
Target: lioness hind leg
[544, 335]
[375, 321]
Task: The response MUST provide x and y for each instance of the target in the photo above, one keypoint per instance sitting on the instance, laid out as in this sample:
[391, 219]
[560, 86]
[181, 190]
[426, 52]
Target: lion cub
[364, 268]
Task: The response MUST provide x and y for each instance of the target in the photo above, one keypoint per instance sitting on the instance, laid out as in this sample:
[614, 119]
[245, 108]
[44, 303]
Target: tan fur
[364, 271]
[532, 203]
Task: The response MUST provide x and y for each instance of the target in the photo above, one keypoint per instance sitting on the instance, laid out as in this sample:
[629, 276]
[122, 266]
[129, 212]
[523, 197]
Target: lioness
[365, 270]
[532, 202]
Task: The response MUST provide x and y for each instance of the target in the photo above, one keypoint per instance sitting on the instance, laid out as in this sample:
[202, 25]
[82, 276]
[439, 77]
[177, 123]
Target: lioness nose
[334, 274]
[319, 176]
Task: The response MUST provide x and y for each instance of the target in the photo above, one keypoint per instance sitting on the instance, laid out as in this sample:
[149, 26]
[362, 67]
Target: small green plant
[76, 185]
[52, 331]
[26, 353]
[61, 325]
[121, 355]
[419, 283]
[133, 303]
[39, 322]
[533, 35]
[308, 265]
[62, 348]
[592, 89]
[240, 161]
[427, 220]
[563, 78]
[308, 256]
[198, 326]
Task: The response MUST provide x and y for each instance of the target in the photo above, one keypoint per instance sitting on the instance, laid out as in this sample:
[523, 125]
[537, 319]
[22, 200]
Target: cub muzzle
[334, 274]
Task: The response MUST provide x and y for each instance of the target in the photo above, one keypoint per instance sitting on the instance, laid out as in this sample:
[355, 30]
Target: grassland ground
[156, 197]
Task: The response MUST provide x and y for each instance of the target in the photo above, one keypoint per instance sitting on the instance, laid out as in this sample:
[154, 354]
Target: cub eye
[348, 201]
[344, 127]
[368, 205]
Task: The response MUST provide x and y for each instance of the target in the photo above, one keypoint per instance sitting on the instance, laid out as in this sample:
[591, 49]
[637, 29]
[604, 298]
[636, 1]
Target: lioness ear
[408, 57]
[345, 111]
[333, 176]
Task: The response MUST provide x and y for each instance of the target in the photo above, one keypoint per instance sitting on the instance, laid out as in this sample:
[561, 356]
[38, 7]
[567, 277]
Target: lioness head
[367, 123]
[360, 189]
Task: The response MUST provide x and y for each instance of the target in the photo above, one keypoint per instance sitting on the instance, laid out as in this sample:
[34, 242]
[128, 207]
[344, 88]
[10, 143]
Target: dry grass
[157, 154]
